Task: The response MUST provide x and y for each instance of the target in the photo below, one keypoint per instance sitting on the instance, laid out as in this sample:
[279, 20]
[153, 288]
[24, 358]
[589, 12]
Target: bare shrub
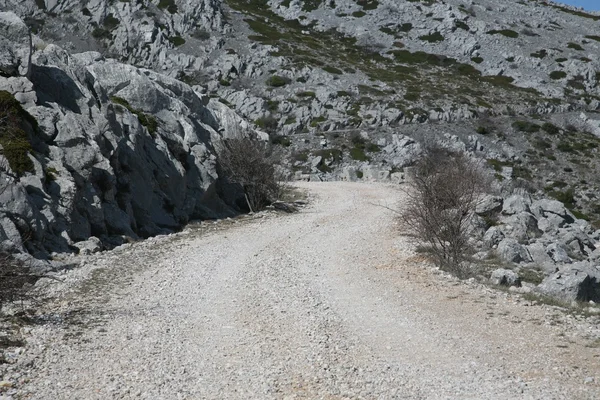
[15, 279]
[442, 197]
[253, 165]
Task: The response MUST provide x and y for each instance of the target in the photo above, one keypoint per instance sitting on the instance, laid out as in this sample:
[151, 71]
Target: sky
[587, 4]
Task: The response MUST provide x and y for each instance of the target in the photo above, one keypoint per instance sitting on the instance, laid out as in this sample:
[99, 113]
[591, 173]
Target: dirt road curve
[329, 303]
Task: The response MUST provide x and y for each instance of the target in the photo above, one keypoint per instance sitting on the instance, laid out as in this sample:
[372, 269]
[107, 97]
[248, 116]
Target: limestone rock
[505, 277]
[15, 45]
[580, 282]
[511, 251]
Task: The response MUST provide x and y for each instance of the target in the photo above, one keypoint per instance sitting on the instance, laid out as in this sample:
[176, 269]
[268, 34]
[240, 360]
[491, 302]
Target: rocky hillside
[331, 64]
[96, 148]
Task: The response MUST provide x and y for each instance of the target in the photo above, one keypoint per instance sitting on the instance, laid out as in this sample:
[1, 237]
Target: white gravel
[329, 303]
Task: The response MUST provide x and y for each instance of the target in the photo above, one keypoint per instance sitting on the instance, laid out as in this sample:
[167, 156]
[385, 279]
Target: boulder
[579, 282]
[505, 277]
[510, 250]
[515, 204]
[545, 208]
[521, 226]
[92, 245]
[558, 254]
[15, 45]
[492, 237]
[489, 205]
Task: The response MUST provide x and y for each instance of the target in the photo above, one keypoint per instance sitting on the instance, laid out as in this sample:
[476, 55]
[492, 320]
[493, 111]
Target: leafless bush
[253, 165]
[442, 197]
[15, 279]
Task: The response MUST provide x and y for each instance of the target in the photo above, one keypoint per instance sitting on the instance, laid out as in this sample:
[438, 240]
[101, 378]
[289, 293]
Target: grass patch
[558, 75]
[145, 120]
[358, 154]
[526, 126]
[432, 38]
[277, 81]
[574, 46]
[504, 32]
[550, 128]
[333, 70]
[177, 41]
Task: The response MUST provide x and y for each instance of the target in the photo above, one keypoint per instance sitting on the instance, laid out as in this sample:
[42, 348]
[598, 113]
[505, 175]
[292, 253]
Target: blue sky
[587, 4]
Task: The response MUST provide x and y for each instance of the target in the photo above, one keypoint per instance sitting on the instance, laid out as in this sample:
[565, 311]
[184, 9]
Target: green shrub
[358, 154]
[13, 138]
[406, 27]
[301, 156]
[267, 123]
[504, 32]
[567, 197]
[281, 140]
[145, 120]
[557, 75]
[477, 60]
[359, 174]
[540, 54]
[168, 5]
[461, 25]
[574, 46]
[593, 37]
[482, 130]
[306, 94]
[526, 126]
[550, 128]
[177, 41]
[433, 38]
[333, 70]
[101, 33]
[561, 59]
[110, 22]
[277, 81]
[359, 14]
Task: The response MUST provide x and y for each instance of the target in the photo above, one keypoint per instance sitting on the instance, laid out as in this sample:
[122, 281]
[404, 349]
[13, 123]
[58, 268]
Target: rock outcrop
[115, 151]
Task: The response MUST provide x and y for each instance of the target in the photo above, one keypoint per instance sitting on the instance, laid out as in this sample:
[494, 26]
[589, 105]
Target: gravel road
[328, 303]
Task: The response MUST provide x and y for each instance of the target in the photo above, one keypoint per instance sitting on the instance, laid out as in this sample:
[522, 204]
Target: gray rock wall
[119, 151]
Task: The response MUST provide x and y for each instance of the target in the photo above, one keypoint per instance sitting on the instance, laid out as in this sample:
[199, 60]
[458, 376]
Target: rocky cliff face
[114, 150]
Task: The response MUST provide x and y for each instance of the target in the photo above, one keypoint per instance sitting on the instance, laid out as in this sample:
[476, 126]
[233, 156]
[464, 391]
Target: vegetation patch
[168, 5]
[358, 154]
[432, 38]
[333, 70]
[540, 54]
[504, 32]
[550, 128]
[277, 81]
[576, 12]
[145, 120]
[574, 46]
[177, 41]
[13, 137]
[558, 75]
[526, 126]
[281, 140]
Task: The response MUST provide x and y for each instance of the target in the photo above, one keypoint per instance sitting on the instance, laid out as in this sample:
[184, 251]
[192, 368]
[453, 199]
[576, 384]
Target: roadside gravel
[328, 303]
